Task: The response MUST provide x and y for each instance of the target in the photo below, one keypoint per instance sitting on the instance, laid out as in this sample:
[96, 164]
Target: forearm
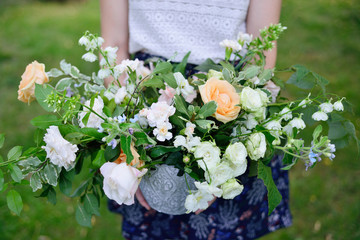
[261, 14]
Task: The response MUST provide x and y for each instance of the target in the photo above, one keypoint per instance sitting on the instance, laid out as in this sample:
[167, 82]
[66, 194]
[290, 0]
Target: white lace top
[163, 27]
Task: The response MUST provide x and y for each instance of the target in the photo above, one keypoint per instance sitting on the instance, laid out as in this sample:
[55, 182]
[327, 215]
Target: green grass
[323, 35]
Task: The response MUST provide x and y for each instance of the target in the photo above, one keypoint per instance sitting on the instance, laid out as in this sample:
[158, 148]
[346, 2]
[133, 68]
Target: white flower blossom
[231, 188]
[161, 131]
[94, 121]
[60, 152]
[274, 90]
[286, 114]
[253, 100]
[326, 107]
[209, 188]
[184, 88]
[159, 112]
[121, 182]
[190, 128]
[104, 73]
[250, 122]
[297, 123]
[338, 106]
[256, 146]
[244, 38]
[188, 142]
[84, 41]
[89, 57]
[320, 116]
[219, 174]
[120, 95]
[236, 153]
[197, 200]
[110, 53]
[209, 153]
[232, 44]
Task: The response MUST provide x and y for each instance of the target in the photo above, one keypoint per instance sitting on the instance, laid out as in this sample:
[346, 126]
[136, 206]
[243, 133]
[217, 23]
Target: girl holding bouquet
[158, 28]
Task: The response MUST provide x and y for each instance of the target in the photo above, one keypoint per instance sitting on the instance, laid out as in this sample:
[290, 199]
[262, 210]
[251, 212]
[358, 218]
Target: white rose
[320, 116]
[231, 189]
[253, 100]
[256, 146]
[121, 181]
[219, 174]
[94, 121]
[58, 150]
[236, 153]
[209, 153]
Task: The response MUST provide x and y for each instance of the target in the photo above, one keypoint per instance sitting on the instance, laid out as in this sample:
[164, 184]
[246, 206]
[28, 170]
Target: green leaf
[41, 93]
[182, 66]
[155, 82]
[82, 216]
[92, 132]
[65, 183]
[51, 196]
[91, 204]
[74, 137]
[158, 151]
[35, 182]
[162, 67]
[111, 154]
[1, 180]
[63, 84]
[317, 133]
[302, 78]
[45, 121]
[54, 72]
[207, 109]
[66, 67]
[274, 196]
[288, 167]
[86, 118]
[50, 174]
[253, 168]
[30, 163]
[2, 140]
[15, 173]
[125, 146]
[39, 136]
[170, 80]
[181, 105]
[14, 202]
[99, 159]
[250, 72]
[80, 189]
[205, 124]
[207, 65]
[143, 139]
[14, 153]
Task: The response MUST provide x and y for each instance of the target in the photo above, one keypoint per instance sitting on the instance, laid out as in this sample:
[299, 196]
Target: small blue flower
[121, 119]
[78, 85]
[113, 144]
[135, 119]
[69, 92]
[131, 131]
[149, 146]
[312, 157]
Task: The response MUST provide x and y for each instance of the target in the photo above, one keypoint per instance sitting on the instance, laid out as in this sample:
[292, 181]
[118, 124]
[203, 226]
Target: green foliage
[14, 202]
[207, 109]
[125, 142]
[41, 94]
[45, 121]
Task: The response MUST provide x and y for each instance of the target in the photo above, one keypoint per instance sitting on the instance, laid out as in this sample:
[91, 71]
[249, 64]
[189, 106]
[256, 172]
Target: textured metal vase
[165, 191]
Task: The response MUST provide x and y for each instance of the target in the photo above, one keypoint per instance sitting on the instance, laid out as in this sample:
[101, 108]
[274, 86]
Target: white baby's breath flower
[94, 121]
[232, 44]
[209, 153]
[286, 114]
[338, 106]
[326, 107]
[89, 57]
[231, 188]
[236, 153]
[161, 131]
[121, 181]
[256, 146]
[211, 189]
[120, 95]
[297, 123]
[60, 152]
[197, 200]
[320, 116]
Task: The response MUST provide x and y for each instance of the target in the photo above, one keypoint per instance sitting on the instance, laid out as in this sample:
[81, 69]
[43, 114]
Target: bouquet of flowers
[224, 121]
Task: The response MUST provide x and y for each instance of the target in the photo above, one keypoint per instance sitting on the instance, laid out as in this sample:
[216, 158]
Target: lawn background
[323, 35]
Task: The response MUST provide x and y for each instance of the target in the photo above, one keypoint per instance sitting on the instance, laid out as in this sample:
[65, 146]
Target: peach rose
[226, 97]
[136, 162]
[34, 73]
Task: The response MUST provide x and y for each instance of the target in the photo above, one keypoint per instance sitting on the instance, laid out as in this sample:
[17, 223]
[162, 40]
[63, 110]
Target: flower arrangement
[222, 122]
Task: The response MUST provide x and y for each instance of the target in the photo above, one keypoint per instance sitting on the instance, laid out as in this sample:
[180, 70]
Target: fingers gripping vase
[165, 191]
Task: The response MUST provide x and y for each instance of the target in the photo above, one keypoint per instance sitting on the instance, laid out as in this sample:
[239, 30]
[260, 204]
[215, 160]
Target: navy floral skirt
[244, 217]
